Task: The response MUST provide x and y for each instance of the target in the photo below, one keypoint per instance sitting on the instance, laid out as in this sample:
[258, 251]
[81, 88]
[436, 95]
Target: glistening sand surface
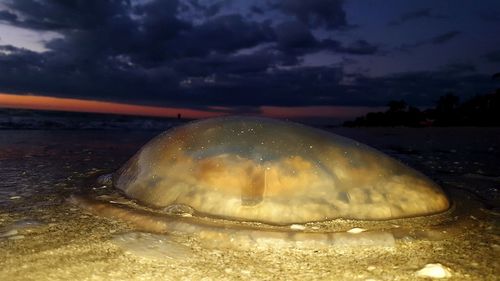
[47, 239]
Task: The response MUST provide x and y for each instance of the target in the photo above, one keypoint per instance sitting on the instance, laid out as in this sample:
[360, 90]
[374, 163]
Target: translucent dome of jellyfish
[261, 170]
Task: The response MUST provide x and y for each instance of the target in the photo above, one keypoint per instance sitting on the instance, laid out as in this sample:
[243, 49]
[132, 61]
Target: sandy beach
[43, 237]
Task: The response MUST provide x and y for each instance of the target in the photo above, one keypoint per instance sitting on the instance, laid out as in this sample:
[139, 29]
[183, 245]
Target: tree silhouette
[481, 110]
[446, 113]
[447, 103]
[397, 106]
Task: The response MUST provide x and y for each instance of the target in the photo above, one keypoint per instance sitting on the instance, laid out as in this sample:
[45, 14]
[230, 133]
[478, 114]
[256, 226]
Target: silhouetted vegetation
[481, 110]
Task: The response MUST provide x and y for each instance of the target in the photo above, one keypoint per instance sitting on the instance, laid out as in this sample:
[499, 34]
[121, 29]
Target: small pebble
[356, 230]
[20, 226]
[16, 237]
[105, 180]
[8, 233]
[434, 270]
[297, 227]
[151, 246]
[245, 272]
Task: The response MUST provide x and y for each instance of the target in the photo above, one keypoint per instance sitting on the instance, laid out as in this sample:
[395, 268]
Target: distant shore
[479, 111]
[24, 119]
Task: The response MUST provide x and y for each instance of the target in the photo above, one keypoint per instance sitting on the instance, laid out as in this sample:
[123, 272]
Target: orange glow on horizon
[339, 112]
[78, 105]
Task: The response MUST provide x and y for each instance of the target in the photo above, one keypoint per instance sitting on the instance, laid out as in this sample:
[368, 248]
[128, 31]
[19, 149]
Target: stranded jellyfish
[248, 179]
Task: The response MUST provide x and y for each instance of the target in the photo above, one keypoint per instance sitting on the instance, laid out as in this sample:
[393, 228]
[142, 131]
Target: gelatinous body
[275, 172]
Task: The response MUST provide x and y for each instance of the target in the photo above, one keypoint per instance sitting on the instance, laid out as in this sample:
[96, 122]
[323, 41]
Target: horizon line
[39, 102]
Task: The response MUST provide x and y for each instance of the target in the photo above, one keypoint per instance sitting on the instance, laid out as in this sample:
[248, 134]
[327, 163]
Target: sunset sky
[80, 105]
[278, 58]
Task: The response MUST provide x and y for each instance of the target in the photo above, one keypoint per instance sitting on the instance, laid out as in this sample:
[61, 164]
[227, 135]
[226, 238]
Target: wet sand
[46, 238]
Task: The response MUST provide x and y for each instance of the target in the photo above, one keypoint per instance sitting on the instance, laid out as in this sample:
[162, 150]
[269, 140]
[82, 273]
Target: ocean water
[41, 233]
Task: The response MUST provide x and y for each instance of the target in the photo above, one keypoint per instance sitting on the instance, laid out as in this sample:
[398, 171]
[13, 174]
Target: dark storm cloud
[146, 52]
[459, 68]
[304, 86]
[435, 40]
[60, 14]
[242, 64]
[207, 9]
[314, 13]
[359, 47]
[421, 88]
[425, 13]
[491, 16]
[240, 80]
[493, 57]
[257, 10]
[50, 73]
[445, 37]
[223, 34]
[295, 37]
[7, 16]
[148, 33]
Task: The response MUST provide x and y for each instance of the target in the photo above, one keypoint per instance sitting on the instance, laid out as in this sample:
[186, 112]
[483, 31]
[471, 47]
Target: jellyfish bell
[256, 177]
[246, 168]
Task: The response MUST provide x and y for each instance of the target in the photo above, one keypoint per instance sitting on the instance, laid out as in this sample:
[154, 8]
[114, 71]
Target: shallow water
[44, 237]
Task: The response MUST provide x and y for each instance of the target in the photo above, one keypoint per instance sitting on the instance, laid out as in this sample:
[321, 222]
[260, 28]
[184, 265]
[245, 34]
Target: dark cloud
[490, 16]
[60, 14]
[157, 52]
[98, 30]
[148, 34]
[459, 68]
[224, 34]
[314, 13]
[7, 16]
[236, 80]
[257, 10]
[152, 33]
[359, 47]
[425, 13]
[493, 57]
[273, 87]
[445, 37]
[240, 80]
[420, 88]
[60, 75]
[295, 35]
[207, 9]
[435, 40]
[218, 64]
